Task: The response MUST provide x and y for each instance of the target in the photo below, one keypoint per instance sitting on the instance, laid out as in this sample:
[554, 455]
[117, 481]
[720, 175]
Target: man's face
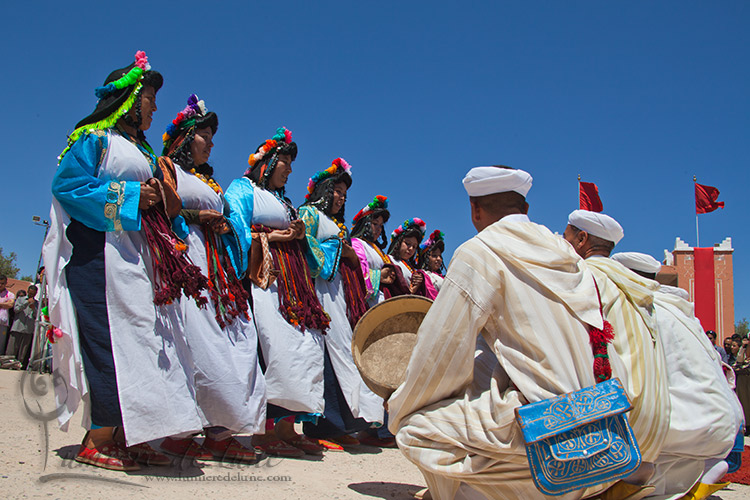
[727, 344]
[3, 284]
[711, 337]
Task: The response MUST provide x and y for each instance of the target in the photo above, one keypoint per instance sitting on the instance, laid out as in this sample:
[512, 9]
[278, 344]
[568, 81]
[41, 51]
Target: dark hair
[395, 246]
[363, 227]
[322, 195]
[270, 161]
[3, 277]
[182, 155]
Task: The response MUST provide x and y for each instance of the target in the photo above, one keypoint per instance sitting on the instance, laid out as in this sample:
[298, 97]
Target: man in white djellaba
[628, 304]
[706, 413]
[509, 327]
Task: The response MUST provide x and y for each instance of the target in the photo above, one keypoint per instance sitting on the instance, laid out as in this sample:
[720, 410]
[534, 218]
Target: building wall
[723, 276]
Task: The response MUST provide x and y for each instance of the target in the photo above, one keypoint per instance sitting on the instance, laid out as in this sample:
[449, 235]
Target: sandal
[370, 440]
[304, 444]
[279, 448]
[143, 453]
[345, 440]
[109, 456]
[185, 448]
[230, 450]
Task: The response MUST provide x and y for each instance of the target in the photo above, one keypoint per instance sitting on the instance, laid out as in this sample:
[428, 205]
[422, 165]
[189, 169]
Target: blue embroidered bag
[579, 439]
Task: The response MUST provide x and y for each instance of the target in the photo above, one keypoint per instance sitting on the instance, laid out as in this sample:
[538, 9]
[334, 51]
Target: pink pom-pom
[57, 333]
[419, 222]
[288, 136]
[141, 60]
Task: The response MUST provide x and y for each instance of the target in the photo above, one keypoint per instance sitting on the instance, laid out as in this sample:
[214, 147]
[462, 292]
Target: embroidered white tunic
[148, 344]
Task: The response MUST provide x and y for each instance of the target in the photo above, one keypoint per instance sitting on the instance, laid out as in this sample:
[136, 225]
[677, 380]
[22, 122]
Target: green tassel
[104, 124]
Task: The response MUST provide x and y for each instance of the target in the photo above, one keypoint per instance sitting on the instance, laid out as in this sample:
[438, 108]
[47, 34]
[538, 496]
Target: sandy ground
[37, 463]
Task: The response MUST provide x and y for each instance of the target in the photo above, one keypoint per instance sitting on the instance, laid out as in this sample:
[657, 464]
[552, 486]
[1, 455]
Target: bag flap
[546, 418]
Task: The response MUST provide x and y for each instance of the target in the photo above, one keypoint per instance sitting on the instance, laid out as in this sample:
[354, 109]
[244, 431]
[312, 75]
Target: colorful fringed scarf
[174, 273]
[227, 293]
[298, 302]
[599, 340]
[355, 292]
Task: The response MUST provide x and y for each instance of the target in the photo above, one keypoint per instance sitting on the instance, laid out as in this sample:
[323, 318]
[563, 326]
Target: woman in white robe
[350, 405]
[230, 388]
[120, 354]
[289, 318]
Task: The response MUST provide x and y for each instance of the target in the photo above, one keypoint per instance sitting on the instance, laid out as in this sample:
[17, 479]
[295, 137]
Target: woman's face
[339, 197]
[435, 260]
[376, 227]
[148, 107]
[408, 247]
[200, 148]
[281, 172]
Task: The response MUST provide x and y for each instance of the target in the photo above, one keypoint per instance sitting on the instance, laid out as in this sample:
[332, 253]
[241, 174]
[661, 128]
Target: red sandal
[279, 448]
[230, 450]
[109, 456]
[143, 453]
[309, 447]
[185, 448]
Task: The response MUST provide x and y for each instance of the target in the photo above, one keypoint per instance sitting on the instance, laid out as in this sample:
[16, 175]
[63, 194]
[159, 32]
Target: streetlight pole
[39, 222]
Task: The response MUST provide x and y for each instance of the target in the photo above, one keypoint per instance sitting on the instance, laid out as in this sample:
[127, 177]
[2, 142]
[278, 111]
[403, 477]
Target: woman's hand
[298, 227]
[215, 221]
[150, 194]
[281, 235]
[416, 281]
[387, 275]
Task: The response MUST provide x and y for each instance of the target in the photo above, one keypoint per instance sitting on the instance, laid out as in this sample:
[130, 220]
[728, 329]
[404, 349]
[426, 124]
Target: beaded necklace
[343, 231]
[386, 259]
[208, 180]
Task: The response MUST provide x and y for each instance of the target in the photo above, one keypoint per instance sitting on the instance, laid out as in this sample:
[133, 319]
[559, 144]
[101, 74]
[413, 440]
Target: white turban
[598, 224]
[638, 262]
[481, 181]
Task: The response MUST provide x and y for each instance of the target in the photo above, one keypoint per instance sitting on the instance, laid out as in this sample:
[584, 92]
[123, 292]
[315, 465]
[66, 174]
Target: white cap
[481, 181]
[638, 262]
[598, 224]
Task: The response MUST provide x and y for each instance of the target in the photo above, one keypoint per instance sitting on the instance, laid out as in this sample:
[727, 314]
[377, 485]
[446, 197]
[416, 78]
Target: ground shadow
[363, 449]
[381, 489]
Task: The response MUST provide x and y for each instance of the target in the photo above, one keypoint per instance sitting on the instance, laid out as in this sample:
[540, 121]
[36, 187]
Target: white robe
[706, 414]
[294, 359]
[230, 388]
[640, 363]
[361, 400]
[532, 299]
[148, 344]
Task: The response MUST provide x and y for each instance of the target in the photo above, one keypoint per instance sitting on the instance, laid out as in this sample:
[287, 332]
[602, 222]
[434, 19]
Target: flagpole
[579, 190]
[697, 234]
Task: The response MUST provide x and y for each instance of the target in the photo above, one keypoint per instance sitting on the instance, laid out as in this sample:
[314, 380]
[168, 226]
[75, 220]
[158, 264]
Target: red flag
[588, 197]
[705, 199]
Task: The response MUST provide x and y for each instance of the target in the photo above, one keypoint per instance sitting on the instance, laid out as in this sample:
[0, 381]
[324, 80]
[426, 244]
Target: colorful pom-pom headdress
[362, 227]
[194, 115]
[271, 149]
[436, 236]
[408, 226]
[338, 166]
[116, 97]
[378, 204]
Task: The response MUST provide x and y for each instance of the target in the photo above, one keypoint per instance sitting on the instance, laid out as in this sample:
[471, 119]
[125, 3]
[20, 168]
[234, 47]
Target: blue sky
[635, 96]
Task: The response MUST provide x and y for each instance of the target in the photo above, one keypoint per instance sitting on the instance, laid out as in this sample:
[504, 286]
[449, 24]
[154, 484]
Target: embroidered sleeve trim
[114, 199]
